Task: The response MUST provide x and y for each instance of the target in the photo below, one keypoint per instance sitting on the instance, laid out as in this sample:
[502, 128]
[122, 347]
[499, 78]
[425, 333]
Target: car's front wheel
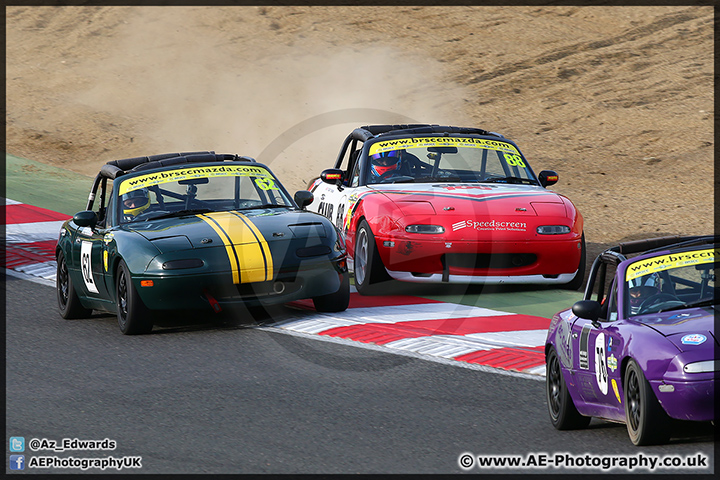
[647, 422]
[563, 414]
[335, 302]
[368, 266]
[132, 314]
[68, 301]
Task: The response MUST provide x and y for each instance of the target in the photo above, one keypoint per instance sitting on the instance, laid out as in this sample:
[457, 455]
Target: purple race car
[644, 350]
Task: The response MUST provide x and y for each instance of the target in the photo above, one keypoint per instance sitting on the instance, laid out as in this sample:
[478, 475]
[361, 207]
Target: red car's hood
[474, 199]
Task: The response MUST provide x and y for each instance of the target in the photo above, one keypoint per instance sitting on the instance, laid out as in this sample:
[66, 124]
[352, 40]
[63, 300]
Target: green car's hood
[232, 227]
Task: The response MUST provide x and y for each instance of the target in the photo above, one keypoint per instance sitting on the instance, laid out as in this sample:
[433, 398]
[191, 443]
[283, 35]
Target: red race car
[430, 203]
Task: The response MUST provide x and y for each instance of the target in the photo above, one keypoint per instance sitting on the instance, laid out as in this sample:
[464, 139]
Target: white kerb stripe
[32, 232]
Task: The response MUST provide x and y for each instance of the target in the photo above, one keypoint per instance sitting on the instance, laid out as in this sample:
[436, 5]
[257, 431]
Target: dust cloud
[201, 95]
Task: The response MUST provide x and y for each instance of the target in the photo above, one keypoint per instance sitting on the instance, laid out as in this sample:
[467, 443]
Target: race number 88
[514, 160]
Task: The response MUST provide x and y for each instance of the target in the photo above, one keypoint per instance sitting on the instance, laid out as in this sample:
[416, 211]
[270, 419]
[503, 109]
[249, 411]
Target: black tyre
[579, 277]
[68, 301]
[132, 314]
[647, 422]
[368, 266]
[335, 302]
[563, 414]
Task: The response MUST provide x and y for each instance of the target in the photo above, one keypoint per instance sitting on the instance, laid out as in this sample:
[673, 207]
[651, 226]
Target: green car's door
[87, 251]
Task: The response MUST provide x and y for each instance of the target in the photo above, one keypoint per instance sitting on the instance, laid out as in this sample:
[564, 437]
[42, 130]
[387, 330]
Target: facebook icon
[17, 462]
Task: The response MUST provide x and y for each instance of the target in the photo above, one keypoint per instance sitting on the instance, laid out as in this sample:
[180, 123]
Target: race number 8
[514, 160]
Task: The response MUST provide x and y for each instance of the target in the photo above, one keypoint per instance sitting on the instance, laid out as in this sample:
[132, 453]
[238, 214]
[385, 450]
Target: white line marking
[32, 232]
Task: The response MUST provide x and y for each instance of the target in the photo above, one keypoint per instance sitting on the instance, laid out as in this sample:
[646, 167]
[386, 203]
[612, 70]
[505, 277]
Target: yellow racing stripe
[247, 250]
[264, 248]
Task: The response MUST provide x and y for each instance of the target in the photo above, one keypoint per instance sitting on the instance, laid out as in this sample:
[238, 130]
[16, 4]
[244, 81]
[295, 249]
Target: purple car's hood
[687, 328]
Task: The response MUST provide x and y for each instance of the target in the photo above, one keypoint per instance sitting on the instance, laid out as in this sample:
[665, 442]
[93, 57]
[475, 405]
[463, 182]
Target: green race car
[195, 231]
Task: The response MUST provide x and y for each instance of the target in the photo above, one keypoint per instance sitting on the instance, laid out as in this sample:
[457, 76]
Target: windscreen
[198, 189]
[672, 281]
[448, 159]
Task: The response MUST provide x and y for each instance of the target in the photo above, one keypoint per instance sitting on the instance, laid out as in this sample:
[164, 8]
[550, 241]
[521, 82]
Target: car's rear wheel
[368, 266]
[563, 414]
[647, 422]
[579, 277]
[68, 301]
[335, 302]
[132, 314]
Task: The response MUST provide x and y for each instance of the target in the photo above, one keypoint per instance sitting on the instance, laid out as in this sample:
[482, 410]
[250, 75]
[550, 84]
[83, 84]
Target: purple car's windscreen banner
[667, 262]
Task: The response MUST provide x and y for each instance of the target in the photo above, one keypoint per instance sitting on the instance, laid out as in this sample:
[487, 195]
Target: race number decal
[265, 183]
[86, 267]
[601, 375]
[514, 160]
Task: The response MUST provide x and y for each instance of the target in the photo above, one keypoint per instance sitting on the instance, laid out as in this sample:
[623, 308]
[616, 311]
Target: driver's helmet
[135, 202]
[642, 288]
[383, 162]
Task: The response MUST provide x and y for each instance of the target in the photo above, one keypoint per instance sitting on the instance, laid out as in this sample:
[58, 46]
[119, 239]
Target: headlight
[701, 367]
[425, 229]
[179, 264]
[552, 229]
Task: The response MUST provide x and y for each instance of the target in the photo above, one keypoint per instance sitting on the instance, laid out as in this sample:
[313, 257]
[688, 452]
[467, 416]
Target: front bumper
[691, 400]
[493, 262]
[203, 290]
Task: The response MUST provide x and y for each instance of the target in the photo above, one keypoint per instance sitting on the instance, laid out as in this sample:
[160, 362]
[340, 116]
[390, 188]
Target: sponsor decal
[612, 362]
[464, 142]
[248, 252]
[601, 375]
[616, 390]
[157, 178]
[693, 339]
[562, 342]
[584, 340]
[108, 238]
[105, 259]
[406, 248]
[86, 266]
[463, 187]
[666, 262]
[495, 225]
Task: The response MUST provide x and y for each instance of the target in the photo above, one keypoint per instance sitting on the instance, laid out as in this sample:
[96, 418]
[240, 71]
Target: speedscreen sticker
[666, 262]
[415, 142]
[157, 178]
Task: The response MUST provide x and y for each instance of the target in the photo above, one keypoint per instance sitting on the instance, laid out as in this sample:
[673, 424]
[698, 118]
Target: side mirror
[303, 198]
[547, 178]
[333, 176]
[86, 218]
[588, 309]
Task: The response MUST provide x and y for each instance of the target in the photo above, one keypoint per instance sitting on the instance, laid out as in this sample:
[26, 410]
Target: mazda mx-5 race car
[197, 230]
[430, 203]
[644, 350]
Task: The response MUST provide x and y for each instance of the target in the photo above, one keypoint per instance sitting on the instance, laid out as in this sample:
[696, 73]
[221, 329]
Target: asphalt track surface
[232, 398]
